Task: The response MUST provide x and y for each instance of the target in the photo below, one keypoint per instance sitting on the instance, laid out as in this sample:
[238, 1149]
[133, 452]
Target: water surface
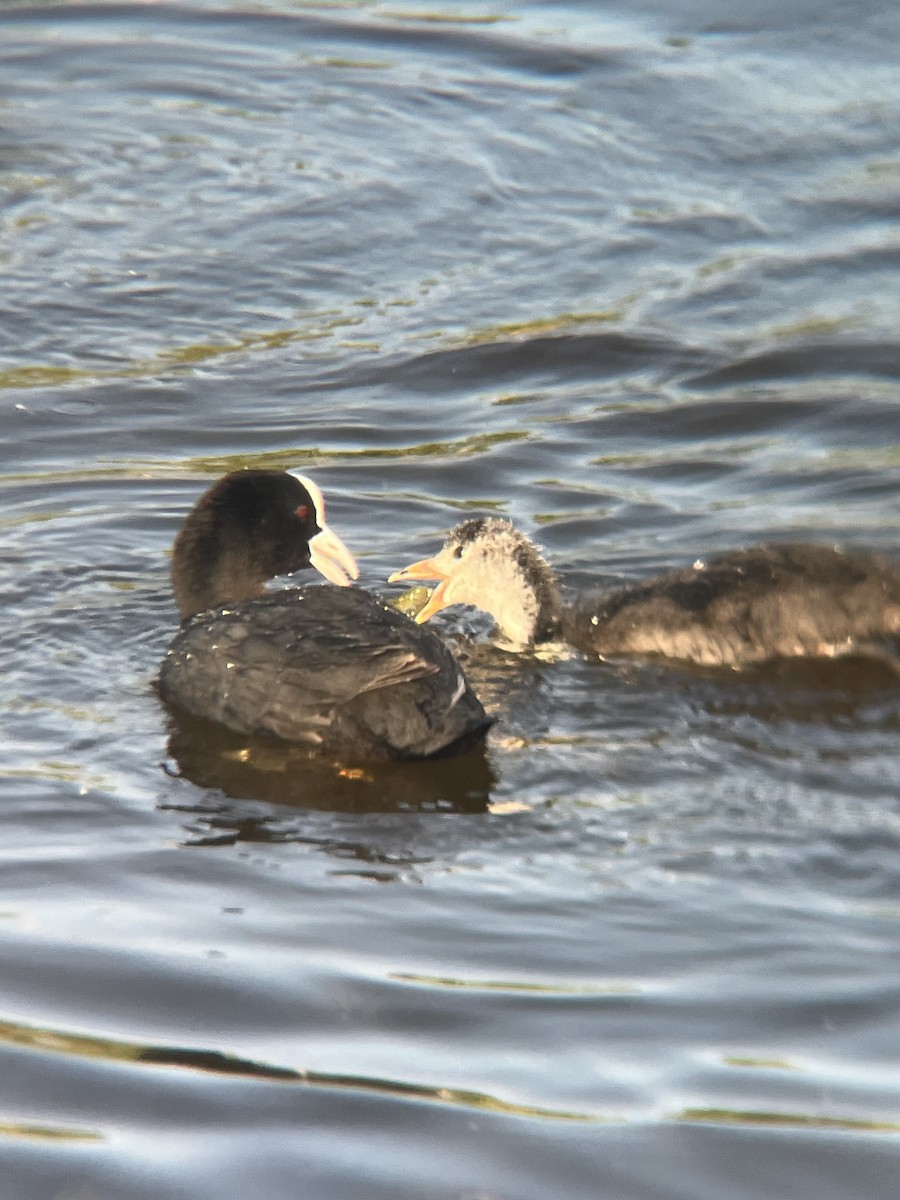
[628, 277]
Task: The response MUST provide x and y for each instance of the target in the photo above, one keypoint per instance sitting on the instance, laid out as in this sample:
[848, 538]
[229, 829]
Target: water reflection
[830, 692]
[216, 1062]
[786, 1120]
[276, 772]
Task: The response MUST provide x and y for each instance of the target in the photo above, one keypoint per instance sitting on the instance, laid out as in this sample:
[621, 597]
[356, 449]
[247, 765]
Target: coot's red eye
[303, 512]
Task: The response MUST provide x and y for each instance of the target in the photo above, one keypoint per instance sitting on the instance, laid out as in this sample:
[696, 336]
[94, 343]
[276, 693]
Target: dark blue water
[628, 276]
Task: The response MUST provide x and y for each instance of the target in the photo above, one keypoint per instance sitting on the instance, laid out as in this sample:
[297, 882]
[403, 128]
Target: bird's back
[747, 606]
[332, 668]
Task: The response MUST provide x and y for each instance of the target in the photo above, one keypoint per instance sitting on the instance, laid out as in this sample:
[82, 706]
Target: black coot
[331, 668]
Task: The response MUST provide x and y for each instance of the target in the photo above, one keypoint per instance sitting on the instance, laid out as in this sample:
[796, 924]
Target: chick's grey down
[741, 607]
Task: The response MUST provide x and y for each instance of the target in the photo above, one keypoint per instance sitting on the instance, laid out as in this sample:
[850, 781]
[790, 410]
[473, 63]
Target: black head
[247, 528]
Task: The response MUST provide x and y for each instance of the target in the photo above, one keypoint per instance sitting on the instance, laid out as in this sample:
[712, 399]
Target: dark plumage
[330, 668]
[741, 607]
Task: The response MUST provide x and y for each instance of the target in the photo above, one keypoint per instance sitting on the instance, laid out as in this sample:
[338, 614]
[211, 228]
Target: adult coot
[737, 608]
[332, 668]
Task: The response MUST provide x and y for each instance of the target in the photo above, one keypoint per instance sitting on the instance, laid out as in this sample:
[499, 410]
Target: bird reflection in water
[281, 773]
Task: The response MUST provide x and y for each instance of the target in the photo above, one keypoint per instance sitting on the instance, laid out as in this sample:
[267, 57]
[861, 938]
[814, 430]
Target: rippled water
[628, 276]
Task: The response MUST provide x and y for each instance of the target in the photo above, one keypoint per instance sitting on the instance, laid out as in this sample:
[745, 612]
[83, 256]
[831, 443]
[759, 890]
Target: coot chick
[741, 607]
[330, 668]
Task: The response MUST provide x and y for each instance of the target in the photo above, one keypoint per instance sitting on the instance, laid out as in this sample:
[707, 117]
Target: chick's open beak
[331, 558]
[426, 568]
